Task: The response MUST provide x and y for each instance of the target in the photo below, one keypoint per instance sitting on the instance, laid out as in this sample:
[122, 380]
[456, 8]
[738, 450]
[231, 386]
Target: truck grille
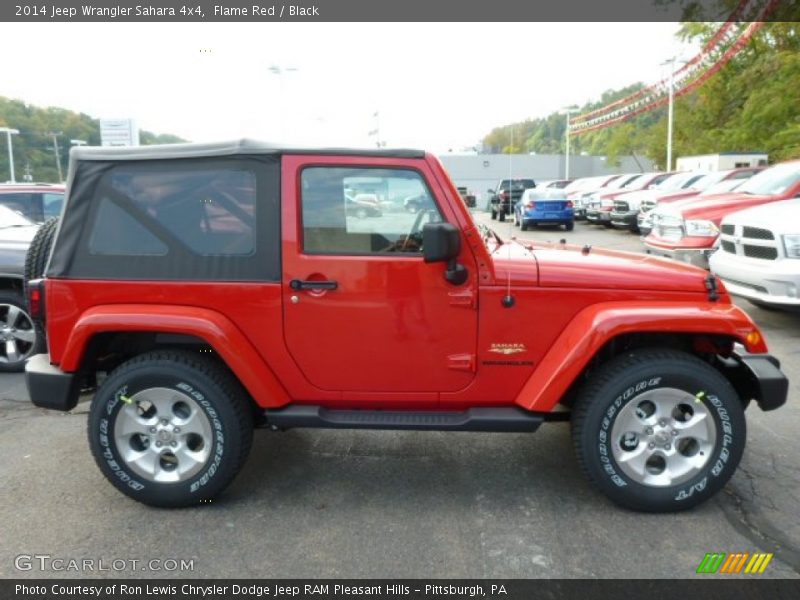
[648, 205]
[761, 252]
[757, 233]
[620, 206]
[752, 242]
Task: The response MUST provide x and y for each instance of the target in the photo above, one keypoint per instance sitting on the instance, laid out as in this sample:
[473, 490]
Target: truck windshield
[773, 181]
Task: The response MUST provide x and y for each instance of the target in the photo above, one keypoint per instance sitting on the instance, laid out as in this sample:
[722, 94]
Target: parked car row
[743, 224]
[23, 207]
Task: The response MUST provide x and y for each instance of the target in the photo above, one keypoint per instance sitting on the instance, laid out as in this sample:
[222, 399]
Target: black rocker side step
[507, 419]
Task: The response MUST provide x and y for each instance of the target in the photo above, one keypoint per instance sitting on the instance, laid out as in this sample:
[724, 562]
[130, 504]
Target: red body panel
[395, 334]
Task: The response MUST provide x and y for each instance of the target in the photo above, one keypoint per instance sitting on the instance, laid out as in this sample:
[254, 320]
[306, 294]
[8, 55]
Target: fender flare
[595, 325]
[218, 331]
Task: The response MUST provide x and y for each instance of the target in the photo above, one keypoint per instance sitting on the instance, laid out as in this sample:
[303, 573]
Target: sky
[435, 86]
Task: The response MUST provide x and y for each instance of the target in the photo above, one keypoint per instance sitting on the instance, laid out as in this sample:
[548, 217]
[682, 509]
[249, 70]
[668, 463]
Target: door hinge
[461, 362]
[465, 298]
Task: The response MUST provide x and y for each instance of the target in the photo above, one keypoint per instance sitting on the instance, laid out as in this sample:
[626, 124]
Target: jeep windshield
[517, 184]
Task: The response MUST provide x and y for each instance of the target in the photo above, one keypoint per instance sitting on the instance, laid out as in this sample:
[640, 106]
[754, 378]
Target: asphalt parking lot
[315, 503]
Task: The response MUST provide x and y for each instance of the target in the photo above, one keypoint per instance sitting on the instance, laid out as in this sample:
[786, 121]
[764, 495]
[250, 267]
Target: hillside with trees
[33, 147]
[752, 103]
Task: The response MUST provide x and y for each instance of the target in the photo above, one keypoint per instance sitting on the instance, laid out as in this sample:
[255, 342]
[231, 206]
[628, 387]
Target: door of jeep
[362, 310]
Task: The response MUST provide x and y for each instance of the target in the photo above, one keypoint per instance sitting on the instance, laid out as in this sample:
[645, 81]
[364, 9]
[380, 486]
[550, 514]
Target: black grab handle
[297, 284]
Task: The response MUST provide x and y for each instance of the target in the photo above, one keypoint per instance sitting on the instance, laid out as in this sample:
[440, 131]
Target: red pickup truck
[214, 289]
[688, 230]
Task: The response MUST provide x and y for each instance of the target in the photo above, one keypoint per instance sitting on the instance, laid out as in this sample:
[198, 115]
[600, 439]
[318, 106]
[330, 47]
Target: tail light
[504, 195]
[570, 204]
[36, 299]
[531, 205]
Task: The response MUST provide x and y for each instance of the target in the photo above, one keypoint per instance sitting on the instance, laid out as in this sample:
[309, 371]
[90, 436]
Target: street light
[568, 110]
[279, 71]
[9, 132]
[670, 110]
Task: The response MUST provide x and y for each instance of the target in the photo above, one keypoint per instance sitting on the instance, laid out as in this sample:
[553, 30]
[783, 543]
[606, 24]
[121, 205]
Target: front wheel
[658, 430]
[170, 429]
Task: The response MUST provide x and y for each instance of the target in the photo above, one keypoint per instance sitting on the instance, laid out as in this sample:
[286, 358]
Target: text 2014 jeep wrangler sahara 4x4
[218, 288]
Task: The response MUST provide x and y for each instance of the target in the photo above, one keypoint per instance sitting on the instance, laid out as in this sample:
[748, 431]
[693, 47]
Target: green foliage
[33, 147]
[751, 104]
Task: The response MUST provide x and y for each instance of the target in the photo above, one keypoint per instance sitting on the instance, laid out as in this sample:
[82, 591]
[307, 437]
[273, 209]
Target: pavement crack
[754, 527]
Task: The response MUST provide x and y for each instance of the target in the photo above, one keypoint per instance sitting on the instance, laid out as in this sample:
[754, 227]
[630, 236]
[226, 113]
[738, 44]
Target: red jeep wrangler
[212, 289]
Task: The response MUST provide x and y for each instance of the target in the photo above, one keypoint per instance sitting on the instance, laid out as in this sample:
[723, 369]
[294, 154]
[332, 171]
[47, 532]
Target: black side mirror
[441, 242]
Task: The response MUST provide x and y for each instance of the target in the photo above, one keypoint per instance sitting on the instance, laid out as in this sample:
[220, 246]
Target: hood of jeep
[568, 266]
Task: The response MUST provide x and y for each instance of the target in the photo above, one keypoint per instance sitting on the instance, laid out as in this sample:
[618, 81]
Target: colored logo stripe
[720, 562]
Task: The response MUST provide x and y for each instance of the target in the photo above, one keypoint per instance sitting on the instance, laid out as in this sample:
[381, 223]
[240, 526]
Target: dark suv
[507, 194]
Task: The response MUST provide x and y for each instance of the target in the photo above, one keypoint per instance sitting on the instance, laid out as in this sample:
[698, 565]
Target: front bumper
[624, 220]
[758, 377]
[693, 256]
[49, 386]
[775, 282]
[594, 215]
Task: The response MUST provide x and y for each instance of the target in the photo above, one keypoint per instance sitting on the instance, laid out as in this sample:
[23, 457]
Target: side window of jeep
[209, 211]
[364, 210]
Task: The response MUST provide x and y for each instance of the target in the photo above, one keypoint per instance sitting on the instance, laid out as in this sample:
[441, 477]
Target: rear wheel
[523, 225]
[658, 430]
[19, 338]
[168, 428]
[569, 225]
[494, 215]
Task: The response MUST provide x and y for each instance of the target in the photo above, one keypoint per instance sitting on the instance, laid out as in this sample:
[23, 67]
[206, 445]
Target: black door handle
[297, 284]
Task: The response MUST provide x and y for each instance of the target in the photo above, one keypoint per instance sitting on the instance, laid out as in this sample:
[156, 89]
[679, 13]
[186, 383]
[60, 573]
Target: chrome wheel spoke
[697, 428]
[12, 351]
[24, 335]
[636, 459]
[132, 423]
[12, 314]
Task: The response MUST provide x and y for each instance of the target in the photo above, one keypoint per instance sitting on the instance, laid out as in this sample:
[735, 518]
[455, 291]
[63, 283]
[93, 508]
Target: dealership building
[481, 172]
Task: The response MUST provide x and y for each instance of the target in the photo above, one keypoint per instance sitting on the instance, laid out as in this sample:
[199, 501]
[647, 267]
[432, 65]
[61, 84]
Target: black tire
[501, 216]
[39, 251]
[607, 224]
[216, 395]
[35, 263]
[17, 327]
[524, 225]
[494, 215]
[617, 385]
[569, 226]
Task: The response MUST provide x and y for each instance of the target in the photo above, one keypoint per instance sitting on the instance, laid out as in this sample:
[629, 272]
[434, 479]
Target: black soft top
[229, 148]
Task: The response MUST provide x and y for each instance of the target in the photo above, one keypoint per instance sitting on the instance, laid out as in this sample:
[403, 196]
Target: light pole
[567, 110]
[9, 132]
[670, 109]
[279, 71]
[58, 156]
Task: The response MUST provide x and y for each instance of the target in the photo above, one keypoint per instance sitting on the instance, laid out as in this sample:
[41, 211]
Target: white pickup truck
[759, 254]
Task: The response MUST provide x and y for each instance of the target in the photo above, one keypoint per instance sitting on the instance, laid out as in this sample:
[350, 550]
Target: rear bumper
[598, 216]
[758, 377]
[556, 216]
[50, 387]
